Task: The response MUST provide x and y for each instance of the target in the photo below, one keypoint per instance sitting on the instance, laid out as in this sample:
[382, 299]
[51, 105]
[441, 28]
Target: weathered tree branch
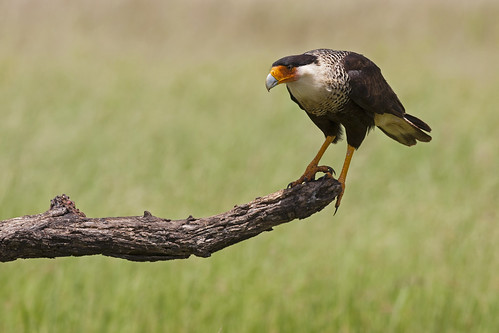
[65, 231]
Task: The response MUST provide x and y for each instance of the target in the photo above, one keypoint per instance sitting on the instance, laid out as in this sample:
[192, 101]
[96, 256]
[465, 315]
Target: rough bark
[63, 230]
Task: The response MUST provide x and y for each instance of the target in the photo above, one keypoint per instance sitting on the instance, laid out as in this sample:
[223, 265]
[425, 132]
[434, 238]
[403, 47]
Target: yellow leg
[313, 167]
[343, 175]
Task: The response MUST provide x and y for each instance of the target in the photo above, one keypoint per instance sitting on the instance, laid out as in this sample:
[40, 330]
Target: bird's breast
[319, 99]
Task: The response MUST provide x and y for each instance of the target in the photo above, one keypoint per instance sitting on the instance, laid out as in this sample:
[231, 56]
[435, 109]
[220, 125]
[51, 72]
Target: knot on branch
[62, 205]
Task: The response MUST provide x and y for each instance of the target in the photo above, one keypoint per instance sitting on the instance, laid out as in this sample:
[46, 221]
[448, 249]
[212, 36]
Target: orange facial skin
[283, 74]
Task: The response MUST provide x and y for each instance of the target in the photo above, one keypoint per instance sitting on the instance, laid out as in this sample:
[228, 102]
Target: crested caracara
[344, 89]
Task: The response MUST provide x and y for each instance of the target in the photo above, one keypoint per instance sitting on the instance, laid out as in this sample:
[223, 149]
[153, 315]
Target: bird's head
[288, 69]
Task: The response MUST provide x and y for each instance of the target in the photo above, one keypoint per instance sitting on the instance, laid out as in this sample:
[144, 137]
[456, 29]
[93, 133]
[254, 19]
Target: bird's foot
[309, 174]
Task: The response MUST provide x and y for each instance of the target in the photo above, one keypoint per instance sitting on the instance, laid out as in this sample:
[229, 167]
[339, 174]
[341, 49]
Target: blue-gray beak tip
[270, 82]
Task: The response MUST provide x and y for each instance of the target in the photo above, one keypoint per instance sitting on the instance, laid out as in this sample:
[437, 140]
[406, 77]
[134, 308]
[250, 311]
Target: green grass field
[161, 106]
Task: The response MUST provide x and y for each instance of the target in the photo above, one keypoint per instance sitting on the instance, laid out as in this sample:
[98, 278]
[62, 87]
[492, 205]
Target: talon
[326, 176]
[325, 168]
[338, 198]
[328, 171]
[296, 182]
[310, 172]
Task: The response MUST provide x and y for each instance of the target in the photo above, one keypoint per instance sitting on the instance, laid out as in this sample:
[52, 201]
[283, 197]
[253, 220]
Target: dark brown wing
[369, 88]
[371, 92]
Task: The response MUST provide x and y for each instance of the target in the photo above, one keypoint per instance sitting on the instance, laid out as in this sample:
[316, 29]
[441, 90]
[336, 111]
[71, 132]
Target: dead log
[63, 230]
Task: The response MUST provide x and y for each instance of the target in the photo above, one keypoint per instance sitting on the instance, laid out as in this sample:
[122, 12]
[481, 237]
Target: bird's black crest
[296, 60]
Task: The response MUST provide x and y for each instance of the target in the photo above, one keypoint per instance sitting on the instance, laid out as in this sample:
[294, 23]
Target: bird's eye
[289, 67]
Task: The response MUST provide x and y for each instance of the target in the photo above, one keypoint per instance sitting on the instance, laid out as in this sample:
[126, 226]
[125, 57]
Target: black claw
[327, 169]
[337, 205]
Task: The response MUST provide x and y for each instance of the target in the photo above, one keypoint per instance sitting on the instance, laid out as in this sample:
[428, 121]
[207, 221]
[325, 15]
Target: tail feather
[407, 130]
[417, 122]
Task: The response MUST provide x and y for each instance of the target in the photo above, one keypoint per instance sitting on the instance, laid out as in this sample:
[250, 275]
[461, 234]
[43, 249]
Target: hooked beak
[280, 74]
[271, 82]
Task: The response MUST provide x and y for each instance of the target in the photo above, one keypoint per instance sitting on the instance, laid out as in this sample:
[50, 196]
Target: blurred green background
[129, 106]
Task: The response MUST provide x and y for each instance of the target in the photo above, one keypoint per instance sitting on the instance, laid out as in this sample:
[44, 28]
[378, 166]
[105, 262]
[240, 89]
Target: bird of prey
[344, 89]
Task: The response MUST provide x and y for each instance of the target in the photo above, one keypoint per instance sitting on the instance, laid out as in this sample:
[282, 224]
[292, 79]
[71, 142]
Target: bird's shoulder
[368, 87]
[361, 69]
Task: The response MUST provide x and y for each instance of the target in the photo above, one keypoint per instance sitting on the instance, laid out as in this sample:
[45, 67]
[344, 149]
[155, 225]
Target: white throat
[310, 88]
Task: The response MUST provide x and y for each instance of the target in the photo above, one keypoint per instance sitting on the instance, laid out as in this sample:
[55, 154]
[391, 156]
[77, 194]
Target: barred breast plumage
[330, 91]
